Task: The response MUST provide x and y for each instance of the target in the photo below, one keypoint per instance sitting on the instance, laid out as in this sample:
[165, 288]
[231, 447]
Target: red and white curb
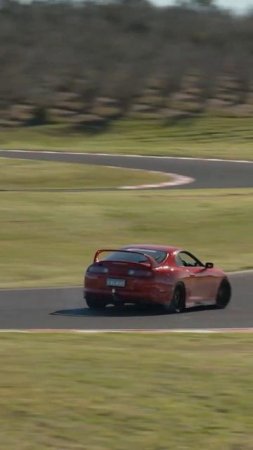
[177, 180]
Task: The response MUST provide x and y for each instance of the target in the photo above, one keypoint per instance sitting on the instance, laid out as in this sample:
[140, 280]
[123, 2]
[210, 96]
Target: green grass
[115, 392]
[48, 239]
[22, 174]
[206, 136]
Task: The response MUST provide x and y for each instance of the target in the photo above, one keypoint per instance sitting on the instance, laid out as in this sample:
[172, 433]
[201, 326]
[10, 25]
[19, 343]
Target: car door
[196, 277]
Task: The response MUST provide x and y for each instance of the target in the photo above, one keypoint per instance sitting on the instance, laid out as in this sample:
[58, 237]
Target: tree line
[116, 48]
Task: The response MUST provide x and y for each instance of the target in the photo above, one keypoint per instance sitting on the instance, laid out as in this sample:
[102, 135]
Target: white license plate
[115, 282]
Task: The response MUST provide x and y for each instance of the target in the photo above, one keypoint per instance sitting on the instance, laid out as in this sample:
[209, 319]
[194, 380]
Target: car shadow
[124, 311]
[110, 311]
[200, 308]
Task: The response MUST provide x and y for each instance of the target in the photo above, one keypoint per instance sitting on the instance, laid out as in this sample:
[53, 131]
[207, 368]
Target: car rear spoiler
[150, 260]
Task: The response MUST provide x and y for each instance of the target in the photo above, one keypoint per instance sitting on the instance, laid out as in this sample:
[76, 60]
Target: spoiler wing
[149, 258]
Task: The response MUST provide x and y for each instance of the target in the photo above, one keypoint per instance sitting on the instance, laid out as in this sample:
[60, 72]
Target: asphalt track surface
[65, 309]
[206, 173]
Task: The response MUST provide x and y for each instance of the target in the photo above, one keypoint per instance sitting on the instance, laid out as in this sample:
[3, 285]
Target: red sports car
[154, 274]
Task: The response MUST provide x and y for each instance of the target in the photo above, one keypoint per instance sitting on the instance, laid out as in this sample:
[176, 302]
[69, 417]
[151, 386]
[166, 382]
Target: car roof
[165, 248]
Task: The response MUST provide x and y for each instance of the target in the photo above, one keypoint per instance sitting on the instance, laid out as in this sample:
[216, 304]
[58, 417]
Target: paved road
[65, 309]
[206, 174]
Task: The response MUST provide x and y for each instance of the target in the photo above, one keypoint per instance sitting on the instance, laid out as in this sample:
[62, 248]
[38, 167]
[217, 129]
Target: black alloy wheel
[177, 303]
[223, 294]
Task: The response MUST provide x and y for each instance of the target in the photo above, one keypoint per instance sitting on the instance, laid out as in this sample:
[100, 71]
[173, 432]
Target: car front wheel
[223, 294]
[177, 303]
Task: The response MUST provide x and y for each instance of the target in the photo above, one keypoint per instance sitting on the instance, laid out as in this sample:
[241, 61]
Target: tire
[223, 294]
[177, 303]
[94, 303]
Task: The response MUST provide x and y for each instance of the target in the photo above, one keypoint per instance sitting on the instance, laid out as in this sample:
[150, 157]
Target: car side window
[186, 259]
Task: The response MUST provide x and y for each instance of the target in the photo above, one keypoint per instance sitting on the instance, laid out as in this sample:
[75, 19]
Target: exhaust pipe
[116, 298]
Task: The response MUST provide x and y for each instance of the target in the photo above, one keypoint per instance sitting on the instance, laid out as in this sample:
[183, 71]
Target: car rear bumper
[120, 296]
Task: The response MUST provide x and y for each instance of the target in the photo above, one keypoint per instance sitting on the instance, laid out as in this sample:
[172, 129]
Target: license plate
[115, 282]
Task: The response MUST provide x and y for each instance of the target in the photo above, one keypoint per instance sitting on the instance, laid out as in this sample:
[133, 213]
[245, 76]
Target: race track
[64, 308]
[205, 173]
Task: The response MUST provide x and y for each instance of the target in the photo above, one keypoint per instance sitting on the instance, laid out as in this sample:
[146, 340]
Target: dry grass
[48, 238]
[18, 174]
[115, 392]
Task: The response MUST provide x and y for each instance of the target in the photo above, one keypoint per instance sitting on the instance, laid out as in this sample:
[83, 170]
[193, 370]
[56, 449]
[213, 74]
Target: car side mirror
[208, 265]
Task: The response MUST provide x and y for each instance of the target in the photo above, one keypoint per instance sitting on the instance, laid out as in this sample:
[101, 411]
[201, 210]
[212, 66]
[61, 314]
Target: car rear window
[157, 255]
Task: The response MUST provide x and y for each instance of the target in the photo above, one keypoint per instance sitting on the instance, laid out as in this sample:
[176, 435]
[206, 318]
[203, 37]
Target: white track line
[187, 158]
[129, 331]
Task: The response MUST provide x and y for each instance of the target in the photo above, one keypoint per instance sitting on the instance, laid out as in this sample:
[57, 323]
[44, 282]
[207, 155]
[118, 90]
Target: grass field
[48, 238]
[206, 136]
[115, 392]
[21, 174]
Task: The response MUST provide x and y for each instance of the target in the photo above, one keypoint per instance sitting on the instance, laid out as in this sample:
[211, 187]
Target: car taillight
[95, 268]
[139, 273]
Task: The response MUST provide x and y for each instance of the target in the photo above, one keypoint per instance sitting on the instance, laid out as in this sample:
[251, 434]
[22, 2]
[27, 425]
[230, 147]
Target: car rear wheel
[177, 303]
[223, 294]
[94, 302]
